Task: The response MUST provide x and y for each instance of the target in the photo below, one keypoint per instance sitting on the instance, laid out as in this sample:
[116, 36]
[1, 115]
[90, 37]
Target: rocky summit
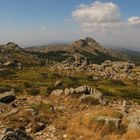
[78, 91]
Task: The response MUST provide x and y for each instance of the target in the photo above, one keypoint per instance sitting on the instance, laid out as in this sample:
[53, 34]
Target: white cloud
[103, 17]
[134, 21]
[97, 12]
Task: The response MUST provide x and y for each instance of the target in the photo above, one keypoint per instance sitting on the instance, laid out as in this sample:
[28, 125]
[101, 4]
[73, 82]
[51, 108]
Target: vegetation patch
[34, 92]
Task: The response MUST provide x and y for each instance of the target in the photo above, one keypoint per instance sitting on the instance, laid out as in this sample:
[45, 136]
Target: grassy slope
[43, 78]
[75, 119]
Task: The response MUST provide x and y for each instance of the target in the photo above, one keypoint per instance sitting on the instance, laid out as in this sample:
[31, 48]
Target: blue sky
[33, 22]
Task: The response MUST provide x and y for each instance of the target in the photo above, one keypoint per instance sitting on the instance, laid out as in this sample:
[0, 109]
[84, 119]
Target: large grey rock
[79, 90]
[97, 94]
[7, 97]
[83, 90]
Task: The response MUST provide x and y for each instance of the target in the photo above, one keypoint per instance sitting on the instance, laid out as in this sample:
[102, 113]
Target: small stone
[65, 136]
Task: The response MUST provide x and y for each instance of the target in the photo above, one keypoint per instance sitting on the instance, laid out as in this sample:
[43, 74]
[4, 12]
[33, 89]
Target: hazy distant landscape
[59, 78]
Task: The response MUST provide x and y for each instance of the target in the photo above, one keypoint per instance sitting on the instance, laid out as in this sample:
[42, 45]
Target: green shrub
[50, 89]
[90, 100]
[34, 92]
[121, 129]
[18, 89]
[4, 88]
[117, 83]
[111, 127]
[42, 106]
[7, 74]
[42, 63]
[130, 93]
[106, 92]
[28, 85]
[71, 82]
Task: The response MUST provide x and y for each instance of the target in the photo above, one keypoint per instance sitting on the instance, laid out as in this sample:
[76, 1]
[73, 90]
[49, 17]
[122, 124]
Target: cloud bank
[104, 18]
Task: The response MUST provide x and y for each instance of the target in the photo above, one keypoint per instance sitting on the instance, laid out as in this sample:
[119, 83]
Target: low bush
[117, 83]
[7, 74]
[42, 106]
[121, 129]
[28, 85]
[4, 88]
[50, 89]
[90, 100]
[130, 93]
[34, 92]
[18, 89]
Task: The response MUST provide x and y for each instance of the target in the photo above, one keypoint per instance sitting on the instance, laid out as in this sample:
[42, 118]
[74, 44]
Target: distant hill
[87, 48]
[11, 52]
[132, 55]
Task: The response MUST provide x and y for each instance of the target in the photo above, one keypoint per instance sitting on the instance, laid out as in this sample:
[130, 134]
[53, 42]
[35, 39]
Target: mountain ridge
[87, 48]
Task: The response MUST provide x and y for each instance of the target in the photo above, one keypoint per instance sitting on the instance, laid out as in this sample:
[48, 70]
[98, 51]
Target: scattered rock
[19, 134]
[67, 91]
[57, 92]
[58, 84]
[83, 90]
[97, 94]
[7, 97]
[38, 127]
[79, 91]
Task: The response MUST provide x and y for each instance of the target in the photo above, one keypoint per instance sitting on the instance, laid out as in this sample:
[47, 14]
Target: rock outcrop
[117, 70]
[82, 92]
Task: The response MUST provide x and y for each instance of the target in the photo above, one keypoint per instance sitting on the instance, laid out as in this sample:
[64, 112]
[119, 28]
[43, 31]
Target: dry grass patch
[84, 124]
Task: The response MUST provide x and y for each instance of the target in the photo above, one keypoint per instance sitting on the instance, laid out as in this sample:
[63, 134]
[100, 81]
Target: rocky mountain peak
[87, 42]
[80, 43]
[89, 39]
[12, 46]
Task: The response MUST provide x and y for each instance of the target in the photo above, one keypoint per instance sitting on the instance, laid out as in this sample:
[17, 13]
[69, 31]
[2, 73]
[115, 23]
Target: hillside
[86, 48]
[51, 104]
[133, 56]
[11, 53]
[70, 100]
